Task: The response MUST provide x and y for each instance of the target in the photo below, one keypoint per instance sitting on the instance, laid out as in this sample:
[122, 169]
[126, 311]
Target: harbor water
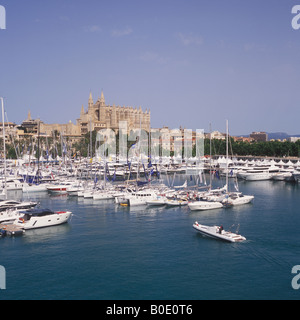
[108, 252]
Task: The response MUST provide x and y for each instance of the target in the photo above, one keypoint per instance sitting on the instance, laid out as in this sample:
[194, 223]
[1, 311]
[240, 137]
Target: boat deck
[10, 230]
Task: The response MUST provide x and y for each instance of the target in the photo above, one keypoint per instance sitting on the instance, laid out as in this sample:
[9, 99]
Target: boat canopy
[39, 212]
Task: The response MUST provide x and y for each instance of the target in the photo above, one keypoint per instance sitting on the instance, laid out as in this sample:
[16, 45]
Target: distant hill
[278, 135]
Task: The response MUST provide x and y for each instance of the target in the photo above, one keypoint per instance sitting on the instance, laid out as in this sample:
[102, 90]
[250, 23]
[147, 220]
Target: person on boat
[221, 229]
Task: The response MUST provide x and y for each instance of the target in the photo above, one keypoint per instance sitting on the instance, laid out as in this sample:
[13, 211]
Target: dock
[10, 230]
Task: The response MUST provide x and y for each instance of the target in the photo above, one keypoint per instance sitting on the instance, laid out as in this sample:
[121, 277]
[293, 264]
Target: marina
[140, 222]
[118, 177]
[108, 251]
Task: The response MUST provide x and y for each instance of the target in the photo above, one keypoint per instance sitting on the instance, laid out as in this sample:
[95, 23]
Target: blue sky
[191, 62]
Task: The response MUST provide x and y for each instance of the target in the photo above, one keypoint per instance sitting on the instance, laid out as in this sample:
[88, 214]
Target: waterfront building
[98, 116]
[294, 139]
[243, 139]
[259, 136]
[10, 130]
[216, 135]
[30, 126]
[33, 127]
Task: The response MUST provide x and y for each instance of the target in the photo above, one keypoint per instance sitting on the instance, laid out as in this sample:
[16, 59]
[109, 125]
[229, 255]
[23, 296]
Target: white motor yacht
[74, 190]
[159, 201]
[8, 216]
[177, 202]
[42, 187]
[284, 174]
[258, 173]
[104, 194]
[40, 218]
[204, 205]
[11, 184]
[237, 198]
[58, 188]
[138, 198]
[18, 205]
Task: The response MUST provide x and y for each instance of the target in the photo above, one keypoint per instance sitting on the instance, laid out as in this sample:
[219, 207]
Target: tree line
[259, 148]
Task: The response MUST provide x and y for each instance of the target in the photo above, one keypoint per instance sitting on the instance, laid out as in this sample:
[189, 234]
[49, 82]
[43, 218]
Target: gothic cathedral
[101, 116]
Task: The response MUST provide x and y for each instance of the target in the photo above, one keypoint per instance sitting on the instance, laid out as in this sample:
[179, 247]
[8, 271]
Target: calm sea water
[108, 252]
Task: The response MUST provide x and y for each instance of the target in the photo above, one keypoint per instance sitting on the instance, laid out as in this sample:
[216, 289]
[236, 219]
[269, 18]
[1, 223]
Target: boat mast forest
[57, 145]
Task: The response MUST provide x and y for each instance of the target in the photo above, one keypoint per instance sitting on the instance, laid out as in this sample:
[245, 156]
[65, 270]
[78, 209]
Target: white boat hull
[35, 188]
[57, 189]
[176, 203]
[204, 205]
[139, 198]
[9, 216]
[156, 202]
[136, 202]
[239, 200]
[103, 196]
[258, 176]
[214, 232]
[58, 218]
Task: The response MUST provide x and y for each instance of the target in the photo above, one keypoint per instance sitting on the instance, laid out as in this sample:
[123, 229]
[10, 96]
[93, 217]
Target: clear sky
[191, 62]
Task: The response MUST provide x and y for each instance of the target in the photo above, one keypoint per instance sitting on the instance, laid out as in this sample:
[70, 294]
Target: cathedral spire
[102, 100]
[91, 102]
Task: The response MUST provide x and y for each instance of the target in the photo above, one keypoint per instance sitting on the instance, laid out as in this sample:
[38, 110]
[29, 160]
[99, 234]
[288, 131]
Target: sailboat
[209, 202]
[9, 204]
[233, 198]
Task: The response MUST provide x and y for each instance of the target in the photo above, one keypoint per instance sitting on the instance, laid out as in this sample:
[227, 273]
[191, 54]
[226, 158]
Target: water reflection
[45, 234]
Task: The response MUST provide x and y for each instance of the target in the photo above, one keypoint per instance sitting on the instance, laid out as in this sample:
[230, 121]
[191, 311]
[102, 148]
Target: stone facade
[101, 116]
[34, 127]
[97, 116]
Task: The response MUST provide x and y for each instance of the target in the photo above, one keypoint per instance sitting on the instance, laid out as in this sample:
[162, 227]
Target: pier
[10, 230]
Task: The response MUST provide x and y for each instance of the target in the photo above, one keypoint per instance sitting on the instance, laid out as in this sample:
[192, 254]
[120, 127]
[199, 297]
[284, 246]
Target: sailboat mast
[4, 147]
[226, 156]
[210, 171]
[38, 171]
